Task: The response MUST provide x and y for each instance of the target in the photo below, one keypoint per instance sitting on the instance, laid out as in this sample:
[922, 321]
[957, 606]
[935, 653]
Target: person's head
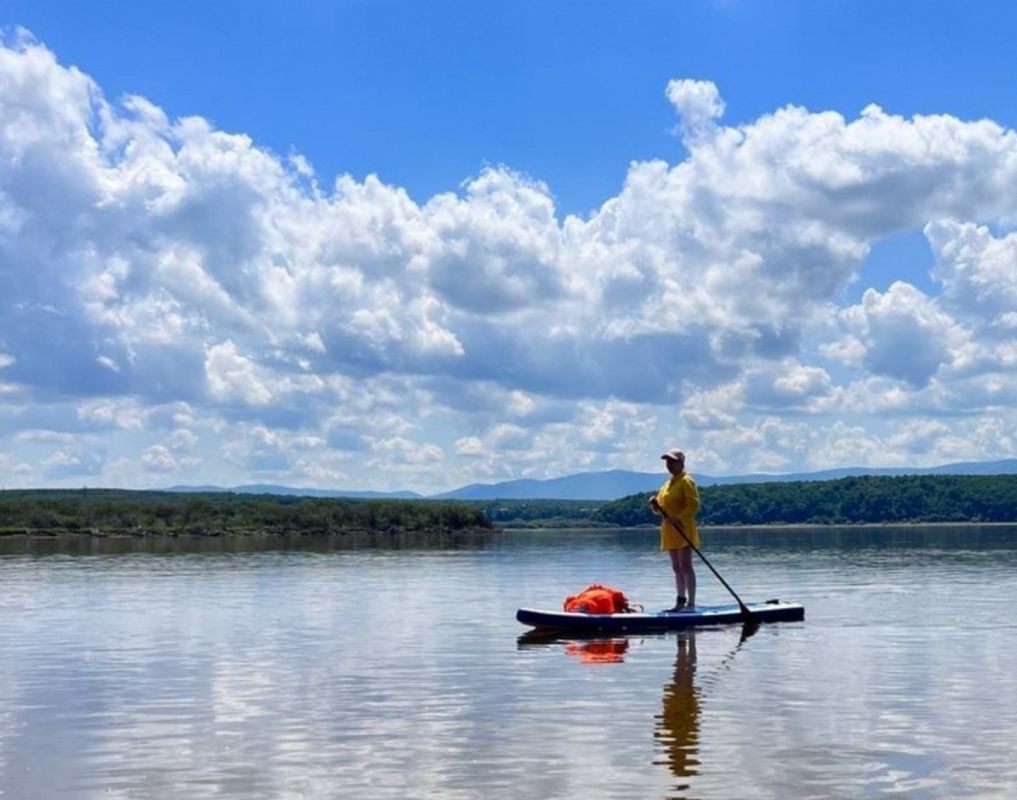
[674, 460]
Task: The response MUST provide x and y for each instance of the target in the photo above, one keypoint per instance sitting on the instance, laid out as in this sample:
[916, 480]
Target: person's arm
[655, 504]
[691, 499]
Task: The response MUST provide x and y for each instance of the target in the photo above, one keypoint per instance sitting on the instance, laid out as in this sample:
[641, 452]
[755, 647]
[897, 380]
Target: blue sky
[426, 94]
[774, 233]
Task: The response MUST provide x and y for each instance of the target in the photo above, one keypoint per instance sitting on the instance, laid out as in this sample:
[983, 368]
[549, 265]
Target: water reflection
[599, 651]
[261, 675]
[592, 648]
[166, 544]
[677, 726]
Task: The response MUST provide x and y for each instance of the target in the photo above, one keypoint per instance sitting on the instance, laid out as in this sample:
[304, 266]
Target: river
[304, 669]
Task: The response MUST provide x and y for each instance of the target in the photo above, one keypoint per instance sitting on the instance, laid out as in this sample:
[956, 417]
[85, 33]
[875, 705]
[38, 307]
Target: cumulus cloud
[497, 248]
[72, 464]
[698, 104]
[158, 459]
[902, 334]
[978, 272]
[258, 449]
[786, 385]
[159, 275]
[233, 376]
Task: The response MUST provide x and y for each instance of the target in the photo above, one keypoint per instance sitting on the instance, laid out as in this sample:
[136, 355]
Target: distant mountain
[609, 485]
[267, 488]
[613, 484]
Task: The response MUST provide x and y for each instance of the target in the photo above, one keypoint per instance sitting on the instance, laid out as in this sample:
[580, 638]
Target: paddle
[747, 616]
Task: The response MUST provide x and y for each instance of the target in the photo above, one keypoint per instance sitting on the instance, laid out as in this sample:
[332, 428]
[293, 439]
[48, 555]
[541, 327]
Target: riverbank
[115, 512]
[593, 527]
[351, 533]
[124, 542]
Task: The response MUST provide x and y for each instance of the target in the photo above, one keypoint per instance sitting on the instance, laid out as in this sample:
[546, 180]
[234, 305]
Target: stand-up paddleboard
[770, 611]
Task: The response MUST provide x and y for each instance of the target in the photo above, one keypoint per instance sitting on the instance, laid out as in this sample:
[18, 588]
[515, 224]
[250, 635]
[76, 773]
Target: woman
[678, 498]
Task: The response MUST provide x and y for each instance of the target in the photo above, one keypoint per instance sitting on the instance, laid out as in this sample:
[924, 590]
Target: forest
[859, 500]
[123, 511]
[867, 499]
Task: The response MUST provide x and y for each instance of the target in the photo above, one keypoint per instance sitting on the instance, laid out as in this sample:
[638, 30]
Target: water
[266, 669]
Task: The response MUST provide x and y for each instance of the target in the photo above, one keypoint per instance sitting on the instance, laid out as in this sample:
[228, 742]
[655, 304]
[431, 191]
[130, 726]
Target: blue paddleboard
[770, 611]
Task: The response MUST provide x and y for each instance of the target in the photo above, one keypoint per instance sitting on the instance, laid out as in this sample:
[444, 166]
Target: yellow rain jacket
[679, 497]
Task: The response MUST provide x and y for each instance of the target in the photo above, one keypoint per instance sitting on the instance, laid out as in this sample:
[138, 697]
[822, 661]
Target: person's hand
[654, 505]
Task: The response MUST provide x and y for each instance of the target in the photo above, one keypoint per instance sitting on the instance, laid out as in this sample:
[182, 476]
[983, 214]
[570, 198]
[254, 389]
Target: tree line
[869, 499]
[111, 510]
[538, 513]
[866, 499]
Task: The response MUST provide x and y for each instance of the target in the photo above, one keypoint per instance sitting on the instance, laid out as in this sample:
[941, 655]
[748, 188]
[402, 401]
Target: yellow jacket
[679, 497]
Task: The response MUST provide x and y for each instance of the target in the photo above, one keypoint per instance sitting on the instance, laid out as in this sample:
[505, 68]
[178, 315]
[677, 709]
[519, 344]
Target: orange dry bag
[598, 599]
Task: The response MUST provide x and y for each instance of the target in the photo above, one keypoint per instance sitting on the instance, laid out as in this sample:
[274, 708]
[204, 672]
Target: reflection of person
[678, 724]
[679, 497]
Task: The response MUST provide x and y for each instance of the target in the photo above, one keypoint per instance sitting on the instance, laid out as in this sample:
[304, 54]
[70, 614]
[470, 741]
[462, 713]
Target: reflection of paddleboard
[770, 611]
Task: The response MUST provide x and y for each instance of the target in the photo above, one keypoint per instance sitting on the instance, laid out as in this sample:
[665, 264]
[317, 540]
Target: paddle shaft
[746, 614]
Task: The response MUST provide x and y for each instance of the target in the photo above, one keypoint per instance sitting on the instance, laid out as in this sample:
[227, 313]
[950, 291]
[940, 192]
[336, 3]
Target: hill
[121, 511]
[610, 484]
[614, 484]
[268, 488]
[866, 499]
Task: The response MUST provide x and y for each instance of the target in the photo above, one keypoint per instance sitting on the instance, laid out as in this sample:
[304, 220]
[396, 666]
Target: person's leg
[679, 579]
[688, 573]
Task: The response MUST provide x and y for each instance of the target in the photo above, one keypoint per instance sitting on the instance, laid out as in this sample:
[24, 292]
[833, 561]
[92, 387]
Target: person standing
[679, 499]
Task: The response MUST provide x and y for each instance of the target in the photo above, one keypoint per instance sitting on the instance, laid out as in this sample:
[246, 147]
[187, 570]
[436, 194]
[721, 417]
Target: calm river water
[237, 669]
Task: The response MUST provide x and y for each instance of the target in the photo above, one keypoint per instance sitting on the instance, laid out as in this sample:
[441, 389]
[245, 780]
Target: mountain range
[612, 484]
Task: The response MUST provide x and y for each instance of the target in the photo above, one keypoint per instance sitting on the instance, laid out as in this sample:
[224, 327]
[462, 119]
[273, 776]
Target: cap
[674, 454]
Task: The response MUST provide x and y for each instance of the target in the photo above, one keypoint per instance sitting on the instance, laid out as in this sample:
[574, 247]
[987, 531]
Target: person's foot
[688, 607]
[678, 606]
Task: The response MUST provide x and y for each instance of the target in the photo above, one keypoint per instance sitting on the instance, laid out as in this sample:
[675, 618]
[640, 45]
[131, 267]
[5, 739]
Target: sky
[386, 246]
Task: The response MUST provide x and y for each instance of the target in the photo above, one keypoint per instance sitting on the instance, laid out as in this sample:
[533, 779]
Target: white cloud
[904, 335]
[497, 248]
[470, 446]
[72, 464]
[698, 104]
[787, 384]
[233, 376]
[158, 459]
[34, 435]
[182, 441]
[978, 272]
[162, 276]
[398, 450]
[121, 412]
[15, 472]
[258, 449]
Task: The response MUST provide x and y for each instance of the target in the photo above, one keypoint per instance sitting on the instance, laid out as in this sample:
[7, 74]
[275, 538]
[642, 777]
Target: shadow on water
[676, 727]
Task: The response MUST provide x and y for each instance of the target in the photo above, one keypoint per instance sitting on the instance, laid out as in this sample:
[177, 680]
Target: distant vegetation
[872, 499]
[539, 513]
[119, 511]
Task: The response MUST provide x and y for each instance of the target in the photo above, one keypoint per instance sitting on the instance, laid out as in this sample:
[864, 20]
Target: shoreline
[769, 526]
[243, 533]
[366, 534]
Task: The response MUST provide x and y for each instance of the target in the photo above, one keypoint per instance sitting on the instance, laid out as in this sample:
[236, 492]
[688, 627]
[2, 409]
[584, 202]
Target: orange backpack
[599, 599]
